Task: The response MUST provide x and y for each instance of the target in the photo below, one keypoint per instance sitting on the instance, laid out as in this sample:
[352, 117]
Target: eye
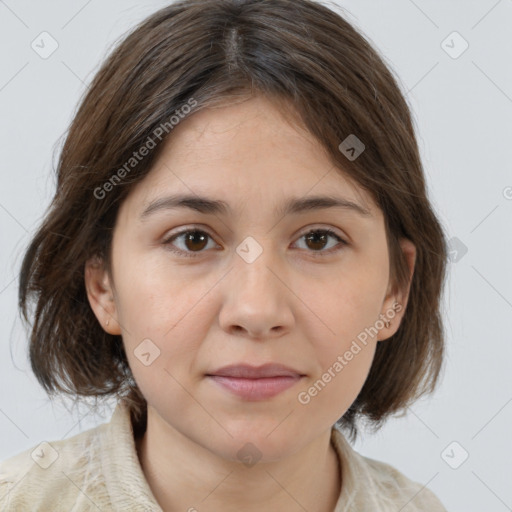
[192, 238]
[193, 241]
[317, 239]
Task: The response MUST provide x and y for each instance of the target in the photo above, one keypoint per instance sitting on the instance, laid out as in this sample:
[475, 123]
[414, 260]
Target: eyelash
[315, 254]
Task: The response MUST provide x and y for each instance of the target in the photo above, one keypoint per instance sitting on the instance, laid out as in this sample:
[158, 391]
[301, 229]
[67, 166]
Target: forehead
[248, 150]
[241, 133]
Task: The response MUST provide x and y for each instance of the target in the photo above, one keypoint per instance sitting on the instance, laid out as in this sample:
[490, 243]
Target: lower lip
[256, 389]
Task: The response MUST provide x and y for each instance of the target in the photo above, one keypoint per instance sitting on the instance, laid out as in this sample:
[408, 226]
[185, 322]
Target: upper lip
[248, 371]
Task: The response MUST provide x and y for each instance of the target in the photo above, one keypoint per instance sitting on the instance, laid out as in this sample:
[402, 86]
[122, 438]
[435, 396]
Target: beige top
[99, 469]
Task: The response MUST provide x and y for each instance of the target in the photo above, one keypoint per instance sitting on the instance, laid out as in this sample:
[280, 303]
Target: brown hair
[295, 51]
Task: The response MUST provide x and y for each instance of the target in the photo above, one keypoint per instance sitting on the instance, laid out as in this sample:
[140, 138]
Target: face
[201, 287]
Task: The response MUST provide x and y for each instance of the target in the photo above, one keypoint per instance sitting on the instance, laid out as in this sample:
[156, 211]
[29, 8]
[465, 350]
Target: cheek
[346, 307]
[150, 300]
[165, 318]
[343, 338]
[343, 358]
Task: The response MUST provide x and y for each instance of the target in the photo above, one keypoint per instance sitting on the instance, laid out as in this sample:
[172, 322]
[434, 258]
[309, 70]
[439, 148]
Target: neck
[184, 476]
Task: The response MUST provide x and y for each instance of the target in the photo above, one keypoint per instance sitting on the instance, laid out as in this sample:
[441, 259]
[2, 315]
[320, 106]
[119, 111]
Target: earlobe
[100, 295]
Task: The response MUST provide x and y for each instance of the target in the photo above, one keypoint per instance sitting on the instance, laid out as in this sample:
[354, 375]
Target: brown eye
[195, 240]
[192, 241]
[316, 241]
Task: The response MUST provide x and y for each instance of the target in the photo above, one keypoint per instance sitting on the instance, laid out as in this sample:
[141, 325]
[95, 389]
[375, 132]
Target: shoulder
[55, 475]
[373, 485]
[398, 488]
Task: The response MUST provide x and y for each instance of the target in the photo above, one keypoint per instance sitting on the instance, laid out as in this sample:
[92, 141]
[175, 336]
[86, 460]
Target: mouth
[255, 383]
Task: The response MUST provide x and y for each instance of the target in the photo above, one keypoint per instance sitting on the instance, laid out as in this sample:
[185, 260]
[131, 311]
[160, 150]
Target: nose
[256, 298]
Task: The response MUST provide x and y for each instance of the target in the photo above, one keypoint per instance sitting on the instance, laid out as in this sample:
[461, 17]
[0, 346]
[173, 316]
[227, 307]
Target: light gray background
[463, 109]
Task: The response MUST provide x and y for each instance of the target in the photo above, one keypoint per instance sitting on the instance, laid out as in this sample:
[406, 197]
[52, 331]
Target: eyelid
[329, 231]
[317, 227]
[186, 229]
[182, 231]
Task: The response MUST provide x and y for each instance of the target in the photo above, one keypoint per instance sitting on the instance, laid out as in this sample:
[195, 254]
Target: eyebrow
[293, 205]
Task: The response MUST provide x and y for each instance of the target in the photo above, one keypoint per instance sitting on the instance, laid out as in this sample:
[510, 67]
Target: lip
[255, 382]
[247, 371]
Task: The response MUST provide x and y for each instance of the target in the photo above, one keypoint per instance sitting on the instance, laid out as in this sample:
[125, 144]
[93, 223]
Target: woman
[241, 249]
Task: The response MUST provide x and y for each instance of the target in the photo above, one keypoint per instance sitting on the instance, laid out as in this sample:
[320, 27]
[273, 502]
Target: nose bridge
[253, 261]
[255, 298]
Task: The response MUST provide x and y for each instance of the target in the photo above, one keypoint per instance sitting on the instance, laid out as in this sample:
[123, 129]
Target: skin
[204, 312]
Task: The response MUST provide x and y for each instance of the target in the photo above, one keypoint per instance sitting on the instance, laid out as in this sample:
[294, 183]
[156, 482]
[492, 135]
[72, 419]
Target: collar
[127, 485]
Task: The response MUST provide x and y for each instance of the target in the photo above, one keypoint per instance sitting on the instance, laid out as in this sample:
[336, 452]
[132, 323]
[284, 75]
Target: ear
[100, 295]
[393, 308]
